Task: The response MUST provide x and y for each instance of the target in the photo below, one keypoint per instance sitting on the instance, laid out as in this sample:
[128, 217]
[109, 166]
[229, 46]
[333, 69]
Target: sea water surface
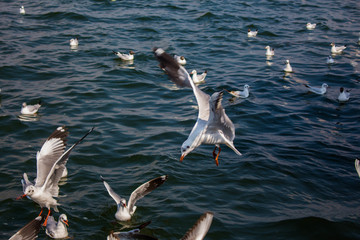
[296, 178]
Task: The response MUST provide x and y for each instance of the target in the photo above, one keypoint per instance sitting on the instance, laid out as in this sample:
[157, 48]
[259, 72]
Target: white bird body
[337, 49]
[180, 59]
[22, 10]
[287, 67]
[311, 26]
[241, 94]
[321, 90]
[213, 126]
[125, 211]
[198, 78]
[30, 109]
[57, 229]
[269, 51]
[74, 42]
[125, 56]
[344, 95]
[330, 60]
[252, 33]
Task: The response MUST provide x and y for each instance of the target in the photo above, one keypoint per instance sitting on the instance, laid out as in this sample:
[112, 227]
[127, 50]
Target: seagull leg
[45, 222]
[41, 211]
[214, 154]
[217, 157]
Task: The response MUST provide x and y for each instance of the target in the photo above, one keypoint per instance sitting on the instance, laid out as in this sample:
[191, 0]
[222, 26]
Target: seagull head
[123, 202]
[29, 191]
[63, 218]
[193, 71]
[186, 148]
[246, 86]
[324, 85]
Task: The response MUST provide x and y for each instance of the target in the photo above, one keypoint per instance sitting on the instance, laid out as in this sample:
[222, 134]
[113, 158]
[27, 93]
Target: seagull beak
[182, 157]
[66, 222]
[22, 196]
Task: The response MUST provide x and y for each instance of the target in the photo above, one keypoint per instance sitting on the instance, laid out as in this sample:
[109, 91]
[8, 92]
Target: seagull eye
[187, 146]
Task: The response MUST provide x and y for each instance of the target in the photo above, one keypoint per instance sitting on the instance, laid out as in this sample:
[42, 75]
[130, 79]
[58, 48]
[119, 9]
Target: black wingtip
[144, 225]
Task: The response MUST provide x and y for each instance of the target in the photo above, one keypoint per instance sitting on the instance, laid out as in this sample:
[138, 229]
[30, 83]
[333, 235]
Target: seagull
[180, 59]
[241, 94]
[252, 33]
[330, 60]
[287, 67]
[74, 42]
[269, 51]
[311, 26]
[132, 234]
[335, 49]
[125, 211]
[321, 90]
[125, 56]
[213, 126]
[200, 228]
[30, 109]
[57, 229]
[22, 10]
[198, 78]
[344, 95]
[50, 165]
[357, 166]
[30, 230]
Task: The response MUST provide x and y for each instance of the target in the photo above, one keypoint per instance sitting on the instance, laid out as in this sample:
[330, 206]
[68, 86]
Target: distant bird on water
[180, 59]
[74, 42]
[311, 26]
[329, 60]
[22, 10]
[269, 51]
[344, 95]
[252, 33]
[30, 109]
[198, 78]
[241, 94]
[320, 91]
[57, 229]
[125, 56]
[337, 49]
[287, 67]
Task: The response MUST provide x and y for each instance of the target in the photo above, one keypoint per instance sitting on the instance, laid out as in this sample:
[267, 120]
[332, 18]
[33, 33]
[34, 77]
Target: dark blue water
[296, 178]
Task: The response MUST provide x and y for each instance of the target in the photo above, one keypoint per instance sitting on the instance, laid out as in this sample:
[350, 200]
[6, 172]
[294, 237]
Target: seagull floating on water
[74, 42]
[241, 94]
[125, 56]
[57, 229]
[287, 67]
[51, 161]
[125, 211]
[132, 234]
[198, 78]
[30, 109]
[213, 126]
[337, 49]
[200, 228]
[321, 90]
[22, 10]
[252, 33]
[311, 26]
[269, 51]
[329, 60]
[344, 95]
[29, 231]
[180, 59]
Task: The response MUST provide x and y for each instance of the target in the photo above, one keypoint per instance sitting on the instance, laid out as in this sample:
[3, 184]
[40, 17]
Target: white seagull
[329, 60]
[269, 51]
[125, 56]
[241, 94]
[198, 78]
[57, 229]
[30, 109]
[132, 234]
[287, 67]
[321, 90]
[125, 211]
[22, 10]
[357, 166]
[74, 42]
[30, 230]
[200, 228]
[344, 95]
[51, 161]
[180, 59]
[213, 126]
[311, 26]
[252, 33]
[337, 49]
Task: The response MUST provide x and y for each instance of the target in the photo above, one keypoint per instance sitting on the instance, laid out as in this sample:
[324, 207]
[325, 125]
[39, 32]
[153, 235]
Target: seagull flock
[212, 127]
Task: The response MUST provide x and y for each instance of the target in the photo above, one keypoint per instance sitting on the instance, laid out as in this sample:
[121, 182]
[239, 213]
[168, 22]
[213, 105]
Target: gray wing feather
[111, 192]
[200, 228]
[145, 189]
[30, 231]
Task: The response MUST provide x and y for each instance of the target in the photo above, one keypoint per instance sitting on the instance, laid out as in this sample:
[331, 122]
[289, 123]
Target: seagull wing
[30, 231]
[50, 152]
[181, 78]
[200, 228]
[54, 176]
[357, 166]
[111, 192]
[145, 189]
